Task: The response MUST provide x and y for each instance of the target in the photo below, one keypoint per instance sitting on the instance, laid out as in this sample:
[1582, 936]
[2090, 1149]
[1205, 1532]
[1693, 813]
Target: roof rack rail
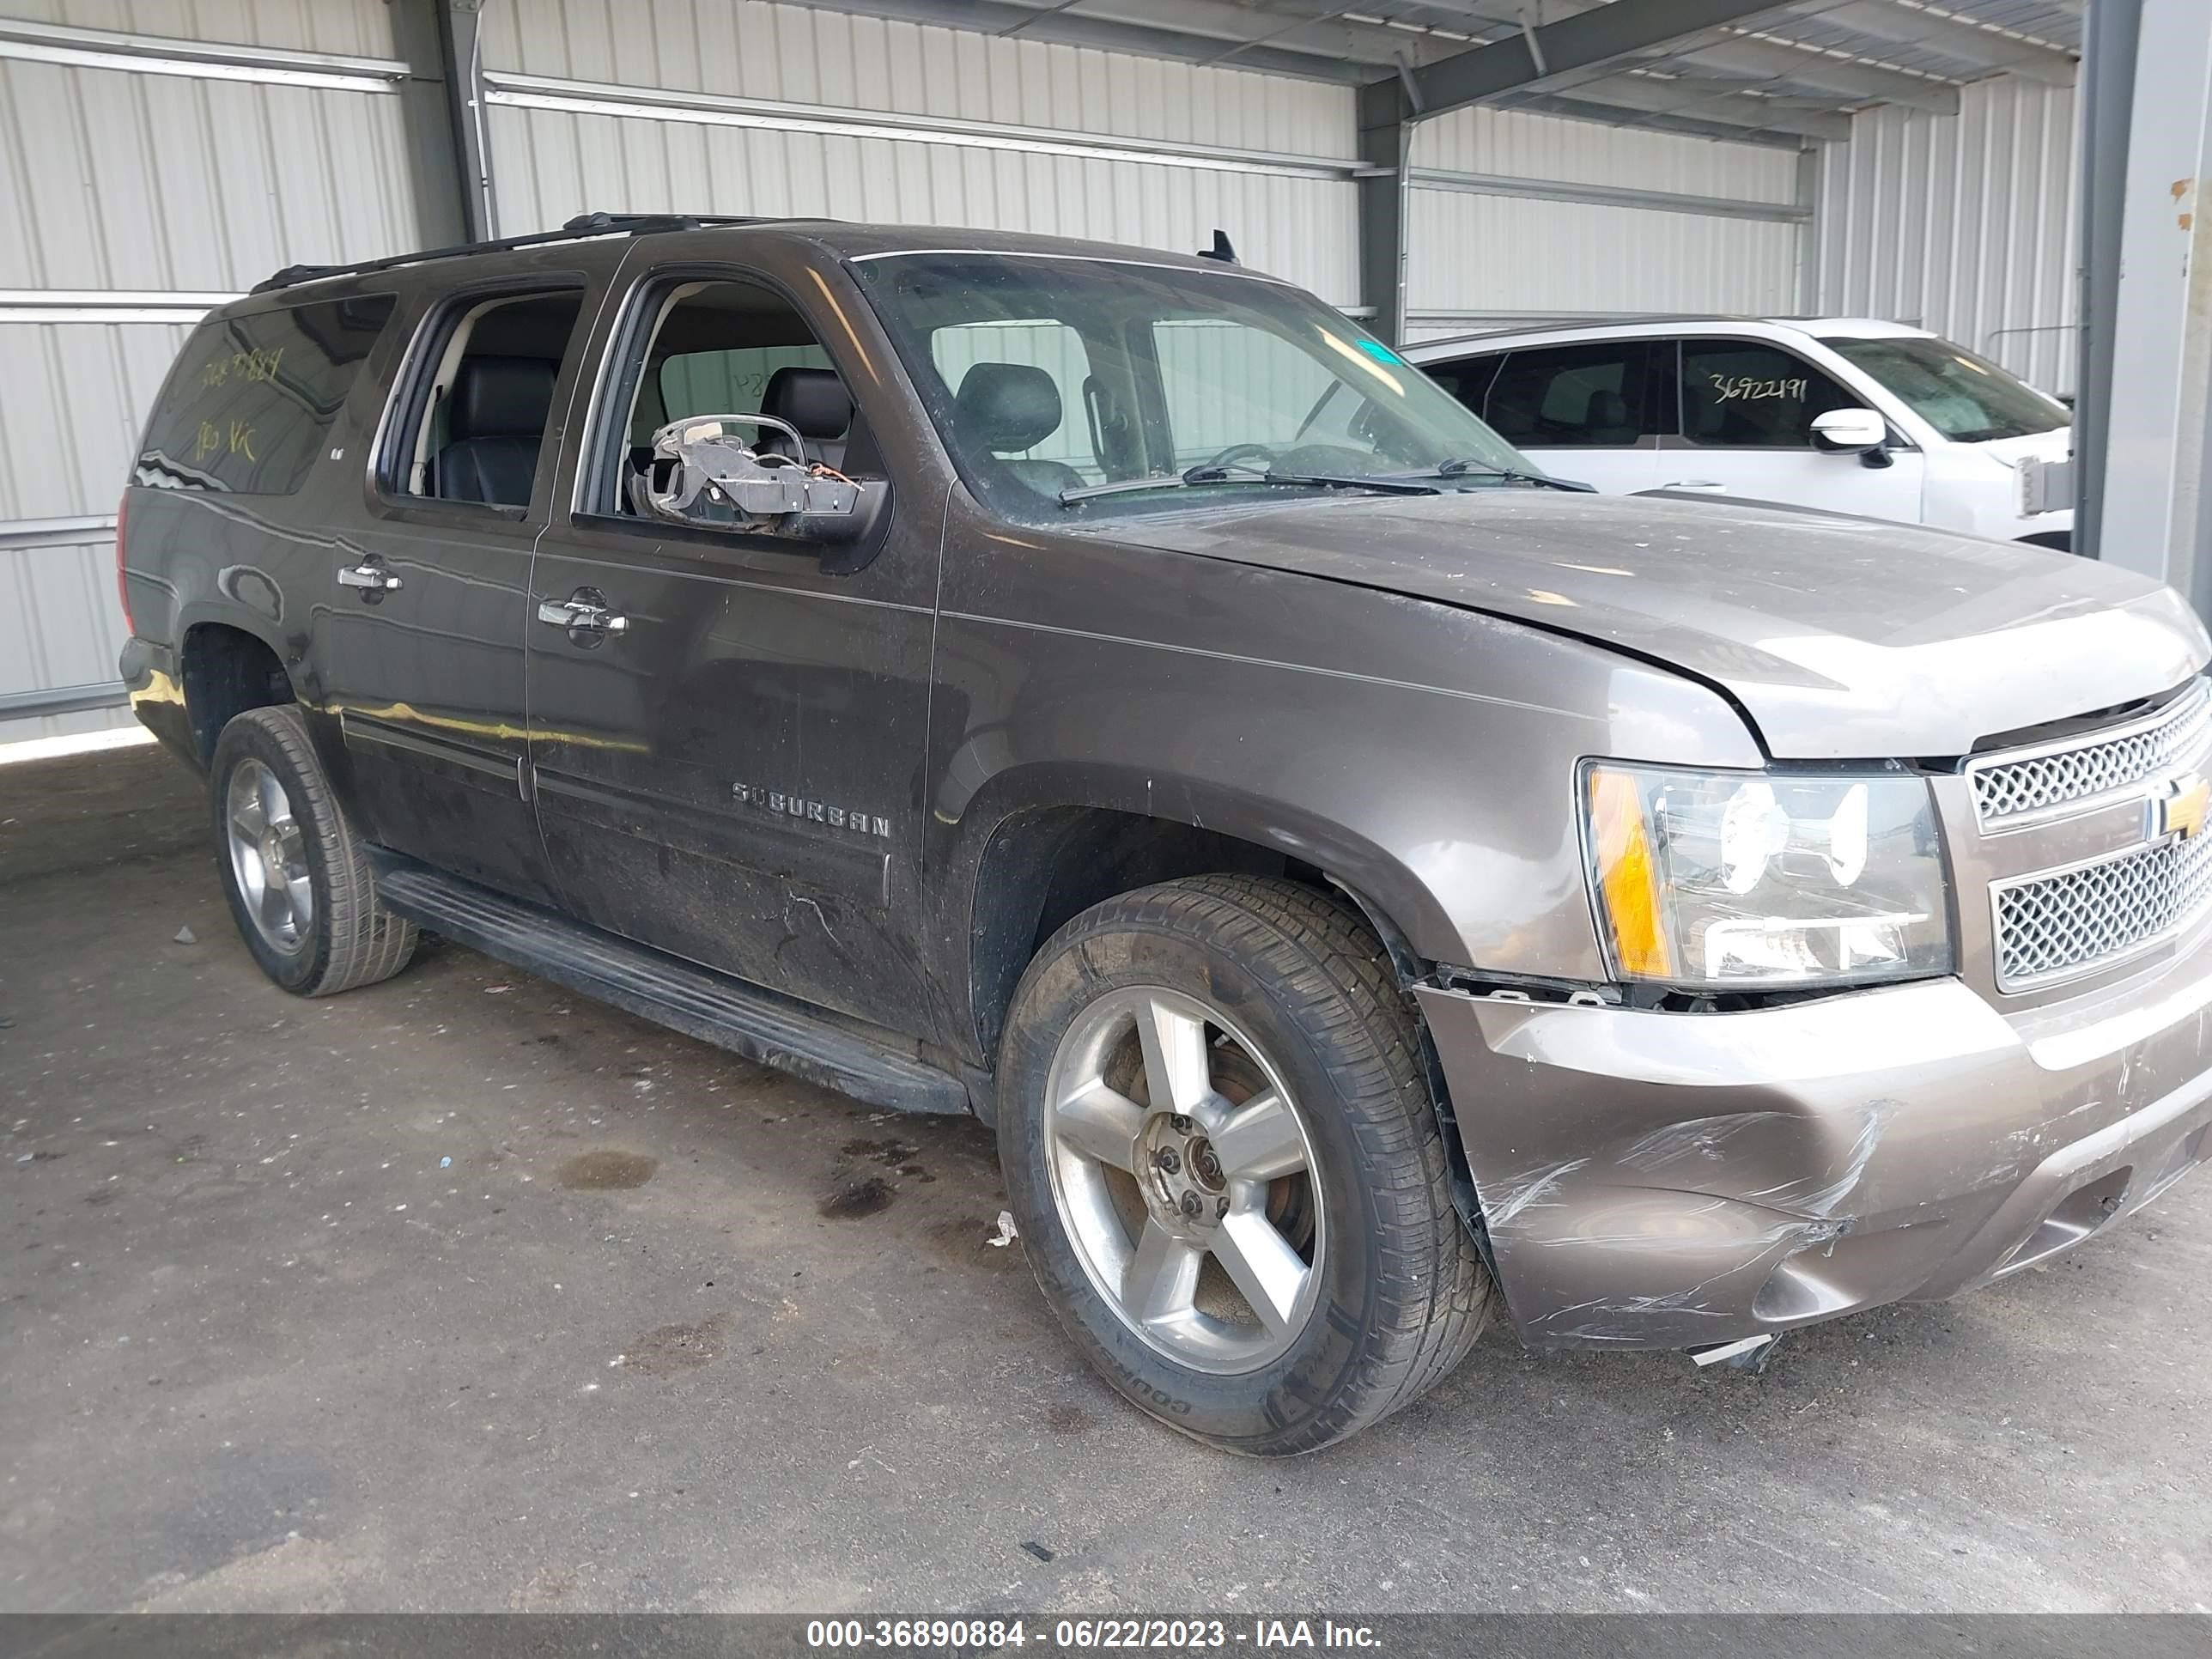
[583, 225]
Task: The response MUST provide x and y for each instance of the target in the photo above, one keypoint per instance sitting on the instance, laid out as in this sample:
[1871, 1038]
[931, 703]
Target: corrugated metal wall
[1021, 137]
[1964, 224]
[1471, 253]
[159, 190]
[134, 198]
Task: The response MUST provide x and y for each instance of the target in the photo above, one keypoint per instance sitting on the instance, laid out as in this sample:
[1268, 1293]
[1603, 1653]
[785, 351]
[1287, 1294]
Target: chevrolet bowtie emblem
[2181, 810]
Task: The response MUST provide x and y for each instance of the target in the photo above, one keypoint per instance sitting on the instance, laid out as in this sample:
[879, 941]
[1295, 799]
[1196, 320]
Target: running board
[760, 1025]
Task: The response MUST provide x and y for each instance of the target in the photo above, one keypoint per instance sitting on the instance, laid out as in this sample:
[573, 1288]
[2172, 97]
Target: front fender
[1418, 753]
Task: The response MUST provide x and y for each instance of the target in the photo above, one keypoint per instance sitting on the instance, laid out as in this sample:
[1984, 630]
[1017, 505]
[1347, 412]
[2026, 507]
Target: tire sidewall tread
[353, 940]
[1306, 978]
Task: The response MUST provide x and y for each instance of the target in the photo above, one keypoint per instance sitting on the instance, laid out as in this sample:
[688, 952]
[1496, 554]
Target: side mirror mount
[1853, 431]
[703, 474]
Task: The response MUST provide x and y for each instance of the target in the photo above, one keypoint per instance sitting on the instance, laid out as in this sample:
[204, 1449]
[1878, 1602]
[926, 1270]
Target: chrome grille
[2072, 921]
[2017, 788]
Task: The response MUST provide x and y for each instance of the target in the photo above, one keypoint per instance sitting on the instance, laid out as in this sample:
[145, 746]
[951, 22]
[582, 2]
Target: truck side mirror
[703, 474]
[1853, 431]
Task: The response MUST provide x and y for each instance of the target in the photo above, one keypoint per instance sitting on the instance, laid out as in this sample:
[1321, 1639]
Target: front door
[421, 635]
[728, 730]
[1746, 432]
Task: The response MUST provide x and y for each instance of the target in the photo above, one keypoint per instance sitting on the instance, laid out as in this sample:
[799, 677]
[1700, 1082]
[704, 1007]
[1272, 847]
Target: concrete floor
[458, 1293]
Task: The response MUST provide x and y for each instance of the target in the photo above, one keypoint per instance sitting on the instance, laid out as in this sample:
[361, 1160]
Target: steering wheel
[1235, 452]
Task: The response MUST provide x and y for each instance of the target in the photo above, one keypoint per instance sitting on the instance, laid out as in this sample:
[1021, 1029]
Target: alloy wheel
[1185, 1179]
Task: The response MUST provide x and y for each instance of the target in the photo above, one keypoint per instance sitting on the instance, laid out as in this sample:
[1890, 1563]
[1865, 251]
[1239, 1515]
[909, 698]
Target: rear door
[1746, 431]
[728, 730]
[1584, 411]
[419, 632]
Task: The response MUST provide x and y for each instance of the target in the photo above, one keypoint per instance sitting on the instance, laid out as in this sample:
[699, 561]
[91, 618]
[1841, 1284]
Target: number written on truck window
[248, 404]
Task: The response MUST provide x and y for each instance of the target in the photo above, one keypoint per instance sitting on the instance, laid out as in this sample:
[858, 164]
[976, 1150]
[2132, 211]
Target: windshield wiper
[1197, 475]
[1461, 467]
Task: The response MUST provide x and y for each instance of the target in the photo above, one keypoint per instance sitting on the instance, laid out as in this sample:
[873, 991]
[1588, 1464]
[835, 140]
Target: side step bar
[761, 1024]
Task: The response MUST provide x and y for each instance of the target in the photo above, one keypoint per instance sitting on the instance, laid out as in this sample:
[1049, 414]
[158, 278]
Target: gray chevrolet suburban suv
[1363, 883]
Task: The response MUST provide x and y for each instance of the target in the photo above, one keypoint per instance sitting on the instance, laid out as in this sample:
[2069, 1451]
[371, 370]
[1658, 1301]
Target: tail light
[122, 577]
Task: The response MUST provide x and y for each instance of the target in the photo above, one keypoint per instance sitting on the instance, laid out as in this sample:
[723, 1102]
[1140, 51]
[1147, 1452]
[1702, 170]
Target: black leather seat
[1006, 407]
[816, 402]
[494, 426]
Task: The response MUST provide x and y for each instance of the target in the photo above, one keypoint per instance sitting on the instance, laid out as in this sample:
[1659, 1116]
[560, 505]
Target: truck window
[1746, 394]
[725, 346]
[1467, 378]
[1001, 357]
[479, 399]
[1578, 397]
[251, 398]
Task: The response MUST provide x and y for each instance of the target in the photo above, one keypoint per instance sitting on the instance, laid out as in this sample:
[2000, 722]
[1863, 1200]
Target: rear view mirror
[703, 473]
[1847, 430]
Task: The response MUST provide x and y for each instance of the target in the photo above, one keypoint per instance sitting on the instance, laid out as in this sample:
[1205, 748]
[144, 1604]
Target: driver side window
[733, 348]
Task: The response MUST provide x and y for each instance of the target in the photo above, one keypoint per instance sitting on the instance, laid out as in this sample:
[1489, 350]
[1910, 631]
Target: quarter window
[1745, 394]
[251, 398]
[1580, 397]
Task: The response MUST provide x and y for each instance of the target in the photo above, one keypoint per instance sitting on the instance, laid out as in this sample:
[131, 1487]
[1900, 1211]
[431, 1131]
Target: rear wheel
[298, 883]
[1227, 1169]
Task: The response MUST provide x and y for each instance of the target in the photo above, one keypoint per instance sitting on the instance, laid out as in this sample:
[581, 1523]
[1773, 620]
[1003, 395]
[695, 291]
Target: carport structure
[1434, 166]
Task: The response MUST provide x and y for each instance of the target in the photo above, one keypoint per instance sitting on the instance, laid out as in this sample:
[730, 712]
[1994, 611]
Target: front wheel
[1229, 1175]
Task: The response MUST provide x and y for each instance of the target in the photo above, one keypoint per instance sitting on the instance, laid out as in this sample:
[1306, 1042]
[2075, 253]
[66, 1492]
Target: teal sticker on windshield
[1378, 351]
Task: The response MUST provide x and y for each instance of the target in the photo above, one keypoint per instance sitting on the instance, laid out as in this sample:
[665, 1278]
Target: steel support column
[1386, 144]
[2141, 434]
[450, 192]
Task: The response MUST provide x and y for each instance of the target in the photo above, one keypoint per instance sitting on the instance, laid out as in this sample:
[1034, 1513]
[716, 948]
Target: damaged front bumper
[1659, 1180]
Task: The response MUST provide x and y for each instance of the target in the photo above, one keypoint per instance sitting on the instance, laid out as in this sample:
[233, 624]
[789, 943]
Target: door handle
[371, 576]
[584, 611]
[1697, 484]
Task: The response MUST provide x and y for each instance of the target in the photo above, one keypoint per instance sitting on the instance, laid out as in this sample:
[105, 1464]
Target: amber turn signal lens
[1628, 876]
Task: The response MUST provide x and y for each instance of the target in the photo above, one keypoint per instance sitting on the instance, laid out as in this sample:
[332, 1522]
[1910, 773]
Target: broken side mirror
[702, 473]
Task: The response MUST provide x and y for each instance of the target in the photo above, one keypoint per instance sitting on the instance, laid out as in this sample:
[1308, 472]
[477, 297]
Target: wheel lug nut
[1220, 1208]
[1167, 1159]
[1190, 1204]
[1179, 1124]
[1209, 1166]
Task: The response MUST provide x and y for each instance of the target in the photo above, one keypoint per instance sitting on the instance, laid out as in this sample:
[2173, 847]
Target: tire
[319, 928]
[1381, 1291]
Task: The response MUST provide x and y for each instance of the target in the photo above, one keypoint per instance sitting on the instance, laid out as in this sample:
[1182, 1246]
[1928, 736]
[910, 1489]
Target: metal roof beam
[1701, 101]
[1952, 38]
[1806, 66]
[1526, 61]
[1031, 22]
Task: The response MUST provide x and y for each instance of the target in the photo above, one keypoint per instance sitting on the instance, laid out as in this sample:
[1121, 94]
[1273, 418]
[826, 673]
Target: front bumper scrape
[1653, 1179]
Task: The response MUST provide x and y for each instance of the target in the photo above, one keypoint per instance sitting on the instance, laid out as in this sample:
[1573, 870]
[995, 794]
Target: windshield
[1967, 398]
[1051, 376]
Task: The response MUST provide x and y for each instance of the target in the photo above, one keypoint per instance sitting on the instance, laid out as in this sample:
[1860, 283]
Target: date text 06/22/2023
[1166, 1635]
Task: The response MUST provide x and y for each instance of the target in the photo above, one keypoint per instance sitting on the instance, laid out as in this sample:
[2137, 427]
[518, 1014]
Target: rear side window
[473, 414]
[250, 402]
[1579, 397]
[1467, 378]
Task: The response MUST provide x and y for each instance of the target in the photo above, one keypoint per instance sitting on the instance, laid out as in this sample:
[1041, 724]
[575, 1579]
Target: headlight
[1747, 880]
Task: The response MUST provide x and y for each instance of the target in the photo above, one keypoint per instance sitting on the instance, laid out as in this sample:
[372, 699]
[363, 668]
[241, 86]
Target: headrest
[500, 397]
[1605, 408]
[813, 399]
[1008, 406]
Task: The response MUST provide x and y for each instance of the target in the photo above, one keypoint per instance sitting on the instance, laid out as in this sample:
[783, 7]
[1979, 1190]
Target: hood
[1842, 639]
[2054, 445]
